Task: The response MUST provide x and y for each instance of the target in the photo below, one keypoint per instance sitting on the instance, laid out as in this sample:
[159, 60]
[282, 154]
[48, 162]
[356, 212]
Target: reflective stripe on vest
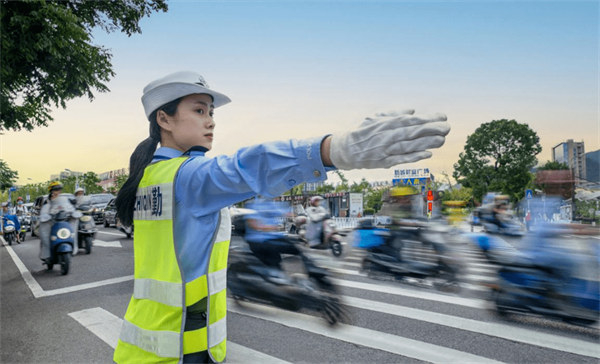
[153, 329]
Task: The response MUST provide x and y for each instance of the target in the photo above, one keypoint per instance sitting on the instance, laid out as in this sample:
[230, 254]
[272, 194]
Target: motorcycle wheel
[22, 236]
[9, 239]
[336, 248]
[106, 224]
[497, 298]
[64, 261]
[88, 244]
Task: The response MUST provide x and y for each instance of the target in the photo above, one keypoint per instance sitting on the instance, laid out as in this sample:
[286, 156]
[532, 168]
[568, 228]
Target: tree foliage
[89, 182]
[498, 157]
[48, 57]
[120, 181]
[7, 176]
[553, 166]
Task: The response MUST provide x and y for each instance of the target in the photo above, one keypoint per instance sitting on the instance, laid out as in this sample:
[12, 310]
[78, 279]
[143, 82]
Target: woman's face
[193, 122]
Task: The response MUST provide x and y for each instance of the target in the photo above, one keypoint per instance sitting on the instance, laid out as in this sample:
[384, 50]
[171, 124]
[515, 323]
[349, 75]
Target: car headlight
[86, 218]
[63, 233]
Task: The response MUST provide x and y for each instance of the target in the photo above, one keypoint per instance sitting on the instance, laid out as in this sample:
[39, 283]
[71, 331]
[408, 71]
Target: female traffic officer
[177, 198]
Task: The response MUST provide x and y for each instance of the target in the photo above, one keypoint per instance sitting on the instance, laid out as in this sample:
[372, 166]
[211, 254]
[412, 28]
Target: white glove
[389, 139]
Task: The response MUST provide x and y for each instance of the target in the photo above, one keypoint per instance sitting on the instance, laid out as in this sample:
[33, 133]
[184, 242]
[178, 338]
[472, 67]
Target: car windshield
[100, 198]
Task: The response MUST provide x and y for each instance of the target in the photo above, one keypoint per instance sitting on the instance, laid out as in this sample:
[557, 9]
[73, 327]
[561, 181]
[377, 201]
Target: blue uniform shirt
[203, 186]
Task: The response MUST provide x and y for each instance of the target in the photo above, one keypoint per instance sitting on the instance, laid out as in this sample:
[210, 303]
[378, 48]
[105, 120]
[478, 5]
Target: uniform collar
[165, 153]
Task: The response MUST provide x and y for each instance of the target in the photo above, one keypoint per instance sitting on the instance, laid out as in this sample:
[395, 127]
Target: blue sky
[306, 68]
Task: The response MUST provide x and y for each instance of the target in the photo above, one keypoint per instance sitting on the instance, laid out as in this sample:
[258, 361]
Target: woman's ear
[163, 120]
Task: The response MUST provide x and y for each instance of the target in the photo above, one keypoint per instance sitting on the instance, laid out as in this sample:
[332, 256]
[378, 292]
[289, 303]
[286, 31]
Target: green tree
[373, 199]
[47, 55]
[7, 176]
[342, 187]
[120, 181]
[363, 186]
[89, 181]
[553, 166]
[498, 157]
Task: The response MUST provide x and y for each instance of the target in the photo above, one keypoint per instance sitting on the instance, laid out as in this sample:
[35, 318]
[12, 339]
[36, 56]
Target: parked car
[110, 218]
[110, 214]
[99, 202]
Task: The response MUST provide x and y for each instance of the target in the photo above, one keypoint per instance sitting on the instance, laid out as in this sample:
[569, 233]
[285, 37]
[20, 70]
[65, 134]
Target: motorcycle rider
[265, 236]
[500, 211]
[80, 197]
[316, 214]
[55, 203]
[399, 206]
[20, 209]
[6, 215]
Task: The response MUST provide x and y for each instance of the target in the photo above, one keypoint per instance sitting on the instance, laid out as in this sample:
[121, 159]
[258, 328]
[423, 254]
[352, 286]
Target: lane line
[398, 291]
[33, 285]
[469, 286]
[503, 331]
[360, 336]
[107, 327]
[108, 244]
[81, 287]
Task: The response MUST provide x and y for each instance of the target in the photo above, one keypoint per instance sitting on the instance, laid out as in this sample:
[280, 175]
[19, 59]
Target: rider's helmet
[77, 190]
[53, 186]
[19, 200]
[315, 200]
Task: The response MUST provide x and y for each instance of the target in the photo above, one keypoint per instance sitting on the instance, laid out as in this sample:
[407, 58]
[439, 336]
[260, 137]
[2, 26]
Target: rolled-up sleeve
[206, 185]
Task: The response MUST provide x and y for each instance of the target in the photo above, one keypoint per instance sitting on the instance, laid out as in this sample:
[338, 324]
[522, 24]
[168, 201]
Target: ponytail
[141, 157]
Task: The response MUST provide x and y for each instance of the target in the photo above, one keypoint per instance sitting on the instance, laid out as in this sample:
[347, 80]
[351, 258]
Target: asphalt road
[49, 318]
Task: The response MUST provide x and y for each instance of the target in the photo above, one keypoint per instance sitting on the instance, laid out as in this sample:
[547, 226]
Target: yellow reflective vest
[153, 327]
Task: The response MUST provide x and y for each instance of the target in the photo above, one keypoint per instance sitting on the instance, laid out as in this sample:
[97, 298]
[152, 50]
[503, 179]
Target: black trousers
[195, 318]
[269, 251]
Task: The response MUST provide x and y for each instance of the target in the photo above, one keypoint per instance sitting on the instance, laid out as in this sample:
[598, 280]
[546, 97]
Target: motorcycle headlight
[86, 218]
[63, 233]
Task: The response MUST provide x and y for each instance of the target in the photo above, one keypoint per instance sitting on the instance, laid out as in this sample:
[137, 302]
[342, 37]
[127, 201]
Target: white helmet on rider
[79, 189]
[315, 200]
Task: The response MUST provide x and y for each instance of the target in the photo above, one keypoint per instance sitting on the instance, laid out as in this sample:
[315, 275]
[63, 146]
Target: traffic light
[429, 195]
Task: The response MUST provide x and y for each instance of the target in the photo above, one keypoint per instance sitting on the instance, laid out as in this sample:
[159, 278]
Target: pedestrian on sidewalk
[177, 198]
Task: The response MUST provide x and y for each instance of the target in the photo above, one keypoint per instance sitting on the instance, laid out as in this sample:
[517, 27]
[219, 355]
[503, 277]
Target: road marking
[81, 287]
[108, 244]
[360, 336]
[398, 291]
[33, 285]
[107, 327]
[109, 233]
[503, 331]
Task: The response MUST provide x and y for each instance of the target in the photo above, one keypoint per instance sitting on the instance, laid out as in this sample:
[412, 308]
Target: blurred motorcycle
[417, 252]
[330, 237]
[249, 279]
[553, 274]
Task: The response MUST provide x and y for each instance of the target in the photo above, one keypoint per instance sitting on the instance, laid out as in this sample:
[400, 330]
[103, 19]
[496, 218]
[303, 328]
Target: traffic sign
[528, 194]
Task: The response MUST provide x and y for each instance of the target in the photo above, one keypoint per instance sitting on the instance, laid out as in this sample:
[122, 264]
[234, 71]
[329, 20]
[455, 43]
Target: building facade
[572, 154]
[108, 179]
[592, 163]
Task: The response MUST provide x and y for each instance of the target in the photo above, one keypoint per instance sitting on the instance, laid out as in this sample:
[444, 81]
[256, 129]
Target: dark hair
[141, 157]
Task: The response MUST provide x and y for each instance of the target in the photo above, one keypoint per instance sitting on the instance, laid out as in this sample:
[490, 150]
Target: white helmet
[315, 200]
[79, 189]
